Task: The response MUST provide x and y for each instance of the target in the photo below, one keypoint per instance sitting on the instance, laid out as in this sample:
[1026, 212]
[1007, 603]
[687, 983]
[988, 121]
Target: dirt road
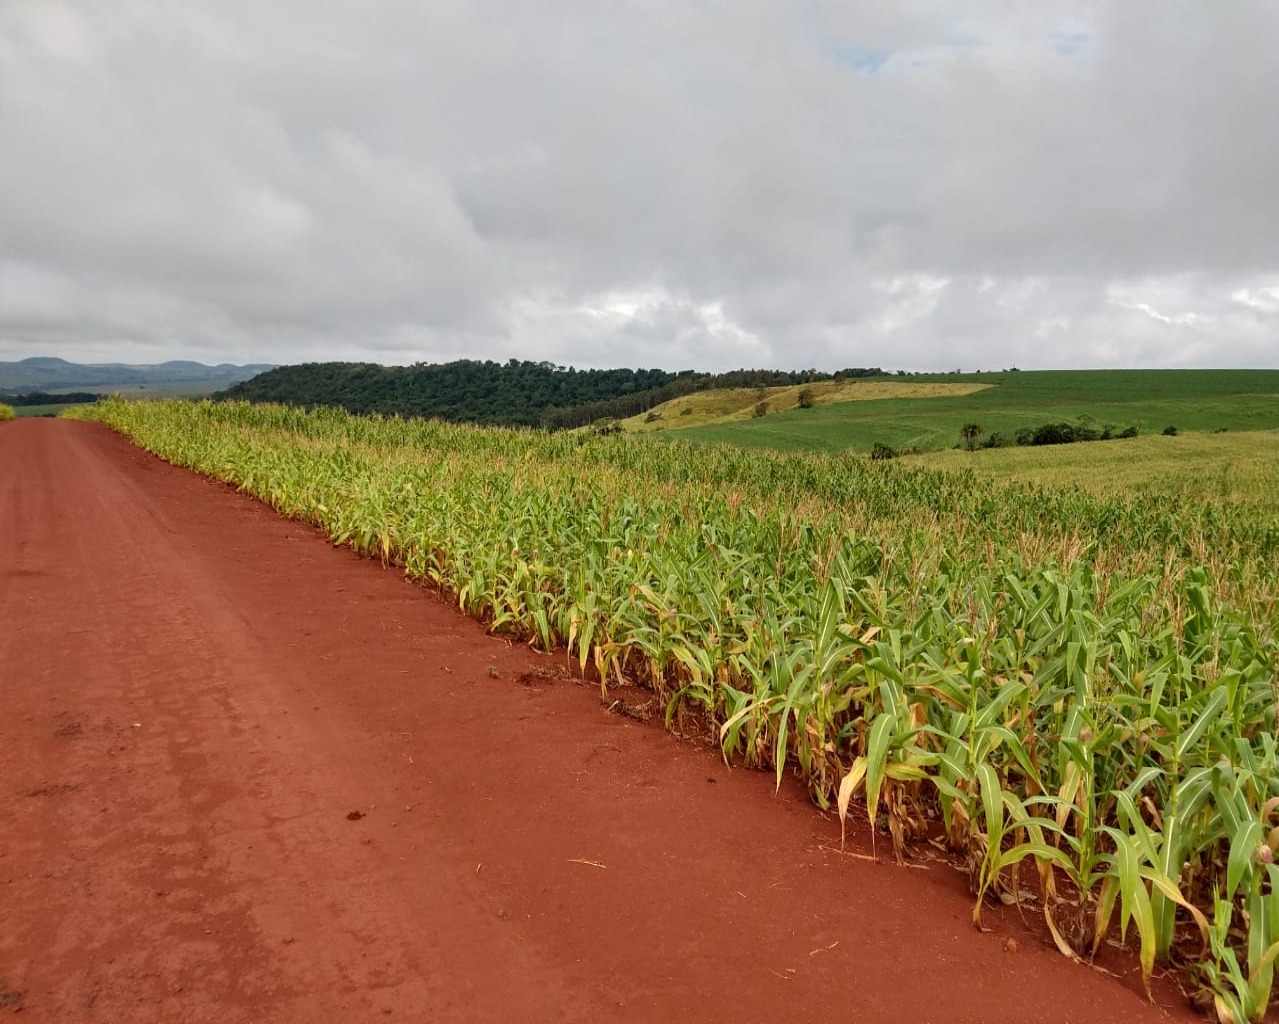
[245, 776]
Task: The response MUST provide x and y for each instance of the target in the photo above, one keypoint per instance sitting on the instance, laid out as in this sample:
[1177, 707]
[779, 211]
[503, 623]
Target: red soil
[197, 697]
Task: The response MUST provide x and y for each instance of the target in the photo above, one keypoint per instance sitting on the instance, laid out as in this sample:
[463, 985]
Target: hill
[509, 394]
[515, 393]
[726, 405]
[1150, 400]
[178, 376]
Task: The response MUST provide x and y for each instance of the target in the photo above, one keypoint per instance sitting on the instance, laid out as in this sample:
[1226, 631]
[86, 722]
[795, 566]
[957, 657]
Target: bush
[761, 409]
[6, 412]
[1066, 433]
[1053, 433]
[970, 432]
[686, 411]
[653, 416]
[1170, 431]
[806, 399]
[880, 452]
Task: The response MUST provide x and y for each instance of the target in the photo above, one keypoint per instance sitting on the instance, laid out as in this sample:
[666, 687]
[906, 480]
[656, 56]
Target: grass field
[1238, 468]
[1041, 676]
[174, 389]
[45, 410]
[727, 405]
[178, 389]
[1190, 400]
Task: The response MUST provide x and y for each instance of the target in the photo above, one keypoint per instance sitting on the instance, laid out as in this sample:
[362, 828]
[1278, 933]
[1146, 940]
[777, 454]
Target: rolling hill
[1150, 400]
[179, 376]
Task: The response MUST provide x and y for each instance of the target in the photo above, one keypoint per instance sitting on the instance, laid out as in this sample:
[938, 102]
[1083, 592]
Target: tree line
[513, 394]
[47, 398]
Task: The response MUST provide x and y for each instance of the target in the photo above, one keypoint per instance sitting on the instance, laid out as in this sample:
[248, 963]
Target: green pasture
[1151, 400]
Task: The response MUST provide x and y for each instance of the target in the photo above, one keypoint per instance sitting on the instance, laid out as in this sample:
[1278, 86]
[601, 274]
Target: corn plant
[1083, 684]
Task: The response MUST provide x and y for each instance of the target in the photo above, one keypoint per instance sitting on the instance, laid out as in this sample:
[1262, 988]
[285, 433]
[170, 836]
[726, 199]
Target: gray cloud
[709, 184]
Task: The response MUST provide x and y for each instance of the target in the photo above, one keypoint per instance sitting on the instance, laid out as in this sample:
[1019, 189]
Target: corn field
[1076, 695]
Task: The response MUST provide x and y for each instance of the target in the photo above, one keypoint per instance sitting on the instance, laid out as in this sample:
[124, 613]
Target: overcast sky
[674, 183]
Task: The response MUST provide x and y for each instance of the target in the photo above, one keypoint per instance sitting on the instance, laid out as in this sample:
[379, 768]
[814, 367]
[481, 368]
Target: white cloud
[719, 184]
[1264, 298]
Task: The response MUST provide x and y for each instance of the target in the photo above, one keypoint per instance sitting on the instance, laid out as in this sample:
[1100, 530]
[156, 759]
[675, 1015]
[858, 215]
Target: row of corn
[1077, 696]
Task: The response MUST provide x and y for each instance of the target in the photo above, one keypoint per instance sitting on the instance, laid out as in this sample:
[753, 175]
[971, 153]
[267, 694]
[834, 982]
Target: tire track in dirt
[197, 694]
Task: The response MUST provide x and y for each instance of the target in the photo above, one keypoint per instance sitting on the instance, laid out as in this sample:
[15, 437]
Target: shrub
[806, 399]
[881, 452]
[6, 412]
[1170, 431]
[1053, 433]
[970, 432]
[761, 409]
[1086, 429]
[653, 416]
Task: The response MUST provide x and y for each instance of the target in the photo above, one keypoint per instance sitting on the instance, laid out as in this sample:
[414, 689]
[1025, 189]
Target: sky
[705, 184]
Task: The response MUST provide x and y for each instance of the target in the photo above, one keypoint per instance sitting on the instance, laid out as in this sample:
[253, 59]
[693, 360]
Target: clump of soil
[542, 675]
[11, 999]
[52, 789]
[632, 702]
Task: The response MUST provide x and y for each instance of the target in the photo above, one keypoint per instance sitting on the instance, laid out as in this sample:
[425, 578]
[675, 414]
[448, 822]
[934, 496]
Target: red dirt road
[195, 694]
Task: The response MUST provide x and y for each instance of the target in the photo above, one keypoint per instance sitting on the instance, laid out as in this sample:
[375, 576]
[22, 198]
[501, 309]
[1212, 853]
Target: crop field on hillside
[1151, 400]
[1236, 468]
[729, 405]
[1035, 678]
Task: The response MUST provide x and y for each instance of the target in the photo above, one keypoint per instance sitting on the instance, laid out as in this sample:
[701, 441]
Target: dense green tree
[515, 393]
[47, 398]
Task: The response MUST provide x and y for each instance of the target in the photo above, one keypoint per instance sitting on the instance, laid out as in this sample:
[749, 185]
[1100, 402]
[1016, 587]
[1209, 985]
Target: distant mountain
[48, 373]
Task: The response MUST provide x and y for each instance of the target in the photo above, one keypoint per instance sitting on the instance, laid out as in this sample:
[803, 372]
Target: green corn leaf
[1205, 719]
[992, 802]
[881, 736]
[1243, 845]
